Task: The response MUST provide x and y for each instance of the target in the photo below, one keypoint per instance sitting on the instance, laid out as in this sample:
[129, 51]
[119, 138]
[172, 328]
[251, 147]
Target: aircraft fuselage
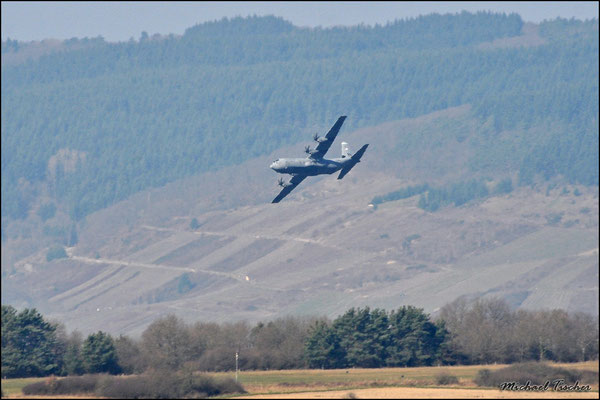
[308, 166]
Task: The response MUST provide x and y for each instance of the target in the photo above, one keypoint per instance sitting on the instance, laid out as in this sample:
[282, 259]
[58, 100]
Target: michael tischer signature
[557, 385]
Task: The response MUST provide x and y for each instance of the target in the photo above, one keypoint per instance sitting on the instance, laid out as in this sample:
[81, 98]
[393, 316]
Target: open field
[419, 382]
[385, 383]
[12, 387]
[425, 393]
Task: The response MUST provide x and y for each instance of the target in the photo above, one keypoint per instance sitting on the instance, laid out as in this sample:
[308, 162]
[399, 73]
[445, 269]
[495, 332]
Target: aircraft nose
[272, 166]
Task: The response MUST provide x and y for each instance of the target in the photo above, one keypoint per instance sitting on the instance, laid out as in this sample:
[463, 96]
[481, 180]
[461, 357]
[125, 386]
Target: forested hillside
[95, 122]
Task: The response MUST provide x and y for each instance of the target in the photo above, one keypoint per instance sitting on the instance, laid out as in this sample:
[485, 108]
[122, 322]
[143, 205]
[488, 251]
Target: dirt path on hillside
[273, 237]
[238, 277]
[425, 393]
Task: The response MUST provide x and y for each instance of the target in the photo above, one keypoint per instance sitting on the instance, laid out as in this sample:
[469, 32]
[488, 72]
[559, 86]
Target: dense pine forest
[94, 122]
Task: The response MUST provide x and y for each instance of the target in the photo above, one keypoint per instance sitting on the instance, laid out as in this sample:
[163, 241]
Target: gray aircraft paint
[315, 164]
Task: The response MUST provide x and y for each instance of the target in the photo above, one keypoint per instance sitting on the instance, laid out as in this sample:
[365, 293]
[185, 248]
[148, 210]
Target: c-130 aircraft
[315, 164]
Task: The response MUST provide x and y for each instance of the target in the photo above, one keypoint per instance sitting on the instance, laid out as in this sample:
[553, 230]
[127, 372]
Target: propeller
[316, 137]
[280, 182]
[307, 149]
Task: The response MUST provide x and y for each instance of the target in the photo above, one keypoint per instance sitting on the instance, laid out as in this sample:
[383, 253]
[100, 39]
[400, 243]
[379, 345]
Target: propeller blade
[316, 137]
[307, 149]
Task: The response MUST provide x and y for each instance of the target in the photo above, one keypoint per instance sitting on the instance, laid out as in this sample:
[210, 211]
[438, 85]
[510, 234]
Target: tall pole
[236, 366]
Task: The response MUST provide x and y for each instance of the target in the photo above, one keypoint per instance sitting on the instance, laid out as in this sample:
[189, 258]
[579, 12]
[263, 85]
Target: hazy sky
[119, 21]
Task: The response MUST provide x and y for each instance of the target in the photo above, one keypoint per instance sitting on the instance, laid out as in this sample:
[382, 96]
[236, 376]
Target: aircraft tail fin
[345, 150]
[355, 160]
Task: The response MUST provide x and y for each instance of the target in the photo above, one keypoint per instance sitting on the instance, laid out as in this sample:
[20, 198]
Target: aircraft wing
[291, 185]
[323, 146]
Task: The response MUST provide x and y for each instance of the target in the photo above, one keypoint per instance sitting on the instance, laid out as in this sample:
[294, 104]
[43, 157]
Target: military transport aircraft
[315, 164]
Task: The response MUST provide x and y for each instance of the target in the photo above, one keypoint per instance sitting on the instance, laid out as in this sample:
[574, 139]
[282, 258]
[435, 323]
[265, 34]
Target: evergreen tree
[28, 344]
[73, 239]
[373, 338]
[323, 349]
[99, 354]
[72, 359]
[415, 340]
[363, 335]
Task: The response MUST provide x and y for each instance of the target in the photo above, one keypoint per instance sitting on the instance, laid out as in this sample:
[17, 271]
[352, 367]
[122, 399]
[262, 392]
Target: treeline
[403, 193]
[143, 113]
[374, 338]
[456, 193]
[484, 331]
[258, 40]
[489, 331]
[433, 198]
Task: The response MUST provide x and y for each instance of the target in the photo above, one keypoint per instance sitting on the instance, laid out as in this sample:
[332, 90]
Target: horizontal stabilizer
[355, 160]
[360, 153]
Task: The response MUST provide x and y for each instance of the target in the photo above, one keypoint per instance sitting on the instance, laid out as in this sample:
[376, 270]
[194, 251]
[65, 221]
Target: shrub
[36, 388]
[446, 379]
[554, 218]
[78, 384]
[535, 373]
[229, 385]
[204, 385]
[132, 387]
[484, 376]
[504, 186]
[68, 385]
[47, 211]
[55, 252]
[165, 385]
[156, 385]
